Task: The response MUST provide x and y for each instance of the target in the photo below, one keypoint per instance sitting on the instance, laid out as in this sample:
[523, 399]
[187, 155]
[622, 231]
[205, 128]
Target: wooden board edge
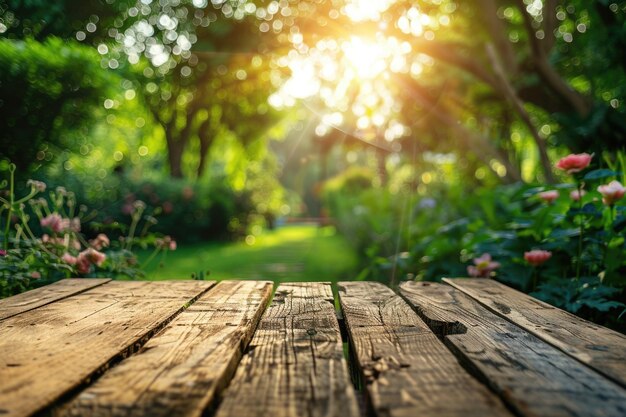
[59, 403]
[98, 282]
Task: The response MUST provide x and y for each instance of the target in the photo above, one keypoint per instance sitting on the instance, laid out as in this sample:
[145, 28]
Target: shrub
[54, 248]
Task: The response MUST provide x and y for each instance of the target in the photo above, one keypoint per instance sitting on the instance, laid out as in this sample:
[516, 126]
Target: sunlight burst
[360, 10]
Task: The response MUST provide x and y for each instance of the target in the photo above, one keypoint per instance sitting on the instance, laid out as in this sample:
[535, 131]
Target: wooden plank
[179, 371]
[407, 370]
[38, 297]
[47, 352]
[533, 377]
[304, 290]
[294, 365]
[602, 349]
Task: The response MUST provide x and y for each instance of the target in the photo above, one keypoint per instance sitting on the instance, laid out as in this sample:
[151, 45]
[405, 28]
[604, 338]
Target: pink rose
[574, 162]
[611, 192]
[3, 252]
[576, 195]
[549, 196]
[483, 266]
[537, 257]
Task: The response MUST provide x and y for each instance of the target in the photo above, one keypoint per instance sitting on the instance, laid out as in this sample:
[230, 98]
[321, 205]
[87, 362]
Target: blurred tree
[46, 90]
[554, 67]
[214, 93]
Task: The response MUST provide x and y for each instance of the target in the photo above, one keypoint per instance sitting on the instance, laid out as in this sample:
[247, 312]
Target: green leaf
[564, 233]
[599, 174]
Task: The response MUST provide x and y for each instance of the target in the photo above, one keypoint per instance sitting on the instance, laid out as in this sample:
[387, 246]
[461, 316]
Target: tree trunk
[175, 150]
[206, 140]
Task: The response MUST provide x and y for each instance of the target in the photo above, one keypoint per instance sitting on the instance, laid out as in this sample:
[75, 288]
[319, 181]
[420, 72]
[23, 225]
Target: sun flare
[360, 10]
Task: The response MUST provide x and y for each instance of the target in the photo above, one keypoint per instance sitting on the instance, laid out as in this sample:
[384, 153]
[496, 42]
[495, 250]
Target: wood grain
[602, 349]
[179, 371]
[533, 377]
[47, 352]
[38, 297]
[407, 370]
[294, 365]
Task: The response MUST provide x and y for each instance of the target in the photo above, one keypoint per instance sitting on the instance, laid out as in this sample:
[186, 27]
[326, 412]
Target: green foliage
[42, 240]
[48, 92]
[447, 229]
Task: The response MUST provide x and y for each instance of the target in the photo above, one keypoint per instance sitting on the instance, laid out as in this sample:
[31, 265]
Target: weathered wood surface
[533, 377]
[407, 370]
[33, 299]
[47, 352]
[602, 349]
[305, 290]
[179, 371]
[294, 365]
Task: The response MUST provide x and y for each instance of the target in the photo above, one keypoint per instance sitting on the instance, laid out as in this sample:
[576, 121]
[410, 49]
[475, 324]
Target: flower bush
[564, 243]
[570, 251]
[43, 239]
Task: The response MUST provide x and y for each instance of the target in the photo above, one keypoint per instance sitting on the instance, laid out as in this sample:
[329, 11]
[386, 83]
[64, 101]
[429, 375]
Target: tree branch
[518, 106]
[548, 74]
[497, 31]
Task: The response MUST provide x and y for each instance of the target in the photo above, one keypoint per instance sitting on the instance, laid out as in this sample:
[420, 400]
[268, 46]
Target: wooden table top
[464, 347]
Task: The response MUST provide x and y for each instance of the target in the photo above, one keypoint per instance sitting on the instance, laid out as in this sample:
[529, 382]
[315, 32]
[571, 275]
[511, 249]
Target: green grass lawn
[290, 253]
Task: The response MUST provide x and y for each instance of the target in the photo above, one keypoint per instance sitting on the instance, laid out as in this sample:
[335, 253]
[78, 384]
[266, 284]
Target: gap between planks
[56, 349]
[533, 377]
[406, 369]
[598, 347]
[294, 365]
[181, 369]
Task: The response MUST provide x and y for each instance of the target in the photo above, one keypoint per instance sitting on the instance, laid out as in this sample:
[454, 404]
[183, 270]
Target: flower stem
[150, 258]
[580, 234]
[7, 228]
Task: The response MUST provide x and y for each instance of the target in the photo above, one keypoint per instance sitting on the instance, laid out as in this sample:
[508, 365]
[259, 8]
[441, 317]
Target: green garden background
[314, 140]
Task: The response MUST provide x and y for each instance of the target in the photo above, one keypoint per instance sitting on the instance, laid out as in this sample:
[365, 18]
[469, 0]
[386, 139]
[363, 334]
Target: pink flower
[483, 266]
[549, 196]
[127, 208]
[101, 241]
[611, 192]
[55, 222]
[187, 193]
[165, 243]
[57, 241]
[37, 185]
[93, 256]
[69, 259]
[574, 162]
[35, 275]
[82, 264]
[168, 207]
[3, 252]
[576, 195]
[74, 224]
[537, 257]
